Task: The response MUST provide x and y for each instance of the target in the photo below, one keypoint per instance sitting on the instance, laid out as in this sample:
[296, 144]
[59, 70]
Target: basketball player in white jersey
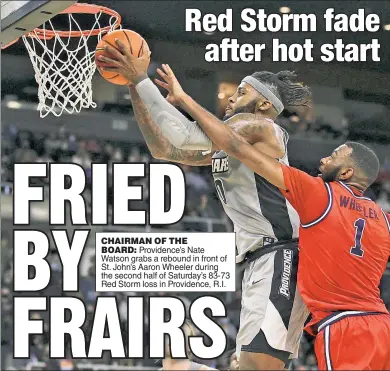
[273, 313]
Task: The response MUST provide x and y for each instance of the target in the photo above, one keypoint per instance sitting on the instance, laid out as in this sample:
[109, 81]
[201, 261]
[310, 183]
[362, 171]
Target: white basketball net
[64, 67]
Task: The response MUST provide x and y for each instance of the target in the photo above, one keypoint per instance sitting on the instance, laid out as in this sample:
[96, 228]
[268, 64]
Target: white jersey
[256, 207]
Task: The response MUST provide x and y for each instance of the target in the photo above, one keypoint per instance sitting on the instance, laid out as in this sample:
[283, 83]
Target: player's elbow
[179, 143]
[157, 154]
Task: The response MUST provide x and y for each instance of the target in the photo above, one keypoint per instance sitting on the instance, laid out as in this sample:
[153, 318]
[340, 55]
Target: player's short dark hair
[365, 159]
[282, 85]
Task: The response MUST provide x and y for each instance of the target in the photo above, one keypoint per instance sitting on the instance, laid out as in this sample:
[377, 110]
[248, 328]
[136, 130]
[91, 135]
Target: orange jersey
[344, 243]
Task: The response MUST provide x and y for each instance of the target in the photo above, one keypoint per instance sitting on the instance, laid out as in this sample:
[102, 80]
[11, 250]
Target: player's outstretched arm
[174, 126]
[223, 136]
[234, 144]
[255, 130]
[158, 144]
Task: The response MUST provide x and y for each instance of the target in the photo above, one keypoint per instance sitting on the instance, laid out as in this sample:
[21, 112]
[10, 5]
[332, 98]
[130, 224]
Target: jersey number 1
[357, 249]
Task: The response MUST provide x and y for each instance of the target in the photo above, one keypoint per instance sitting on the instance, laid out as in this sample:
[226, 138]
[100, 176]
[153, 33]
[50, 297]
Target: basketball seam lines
[118, 74]
[112, 77]
[110, 44]
[128, 41]
[141, 49]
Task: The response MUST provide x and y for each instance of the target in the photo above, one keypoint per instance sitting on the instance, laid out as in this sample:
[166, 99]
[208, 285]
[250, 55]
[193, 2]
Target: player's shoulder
[298, 173]
[242, 121]
[309, 186]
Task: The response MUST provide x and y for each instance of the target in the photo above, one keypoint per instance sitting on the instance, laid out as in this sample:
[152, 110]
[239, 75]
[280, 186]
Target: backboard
[21, 17]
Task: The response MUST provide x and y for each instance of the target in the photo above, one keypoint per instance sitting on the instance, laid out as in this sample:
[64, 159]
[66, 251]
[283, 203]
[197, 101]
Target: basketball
[135, 43]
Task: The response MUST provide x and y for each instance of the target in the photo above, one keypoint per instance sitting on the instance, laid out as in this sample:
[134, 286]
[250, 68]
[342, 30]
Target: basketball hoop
[63, 65]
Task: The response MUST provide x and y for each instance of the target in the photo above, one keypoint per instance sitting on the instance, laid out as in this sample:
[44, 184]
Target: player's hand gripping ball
[117, 61]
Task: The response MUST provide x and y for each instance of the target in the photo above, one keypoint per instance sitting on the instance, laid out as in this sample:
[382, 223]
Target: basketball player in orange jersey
[344, 242]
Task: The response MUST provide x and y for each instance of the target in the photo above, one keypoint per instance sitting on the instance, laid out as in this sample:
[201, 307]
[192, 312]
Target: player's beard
[249, 108]
[331, 175]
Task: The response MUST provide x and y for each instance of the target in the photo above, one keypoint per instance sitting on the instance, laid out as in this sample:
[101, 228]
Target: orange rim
[78, 8]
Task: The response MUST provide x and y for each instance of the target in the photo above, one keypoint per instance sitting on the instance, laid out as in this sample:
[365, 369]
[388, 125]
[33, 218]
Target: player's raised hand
[170, 83]
[125, 63]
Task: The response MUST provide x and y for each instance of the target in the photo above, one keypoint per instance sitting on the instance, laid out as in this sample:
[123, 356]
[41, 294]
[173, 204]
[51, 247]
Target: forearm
[157, 143]
[154, 138]
[180, 131]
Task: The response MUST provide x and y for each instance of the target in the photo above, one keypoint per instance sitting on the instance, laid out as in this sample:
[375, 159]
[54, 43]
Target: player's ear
[263, 105]
[346, 173]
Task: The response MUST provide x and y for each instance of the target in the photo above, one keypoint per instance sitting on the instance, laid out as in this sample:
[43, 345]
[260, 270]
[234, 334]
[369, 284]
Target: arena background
[350, 101]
